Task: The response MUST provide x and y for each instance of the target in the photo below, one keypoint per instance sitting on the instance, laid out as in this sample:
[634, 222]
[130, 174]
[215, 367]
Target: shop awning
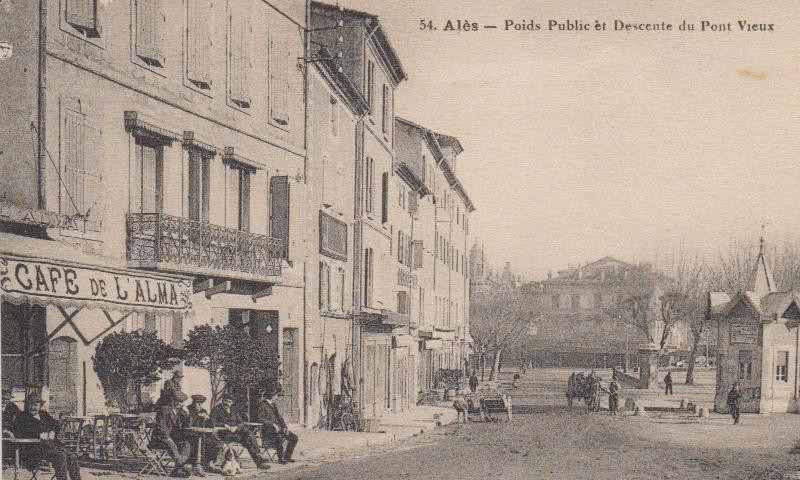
[47, 272]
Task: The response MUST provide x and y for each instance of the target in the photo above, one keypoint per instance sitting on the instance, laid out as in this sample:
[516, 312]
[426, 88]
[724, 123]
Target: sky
[580, 145]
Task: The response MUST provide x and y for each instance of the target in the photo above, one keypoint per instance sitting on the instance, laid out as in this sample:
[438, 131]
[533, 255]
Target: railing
[156, 240]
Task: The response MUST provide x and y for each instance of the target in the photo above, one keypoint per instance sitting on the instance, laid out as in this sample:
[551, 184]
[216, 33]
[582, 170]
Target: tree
[499, 317]
[131, 360]
[637, 304]
[234, 360]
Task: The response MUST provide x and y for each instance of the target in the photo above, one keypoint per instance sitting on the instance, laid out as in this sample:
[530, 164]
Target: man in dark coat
[273, 428]
[668, 384]
[473, 382]
[225, 415]
[167, 432]
[198, 416]
[170, 388]
[37, 423]
[734, 401]
[613, 396]
[10, 413]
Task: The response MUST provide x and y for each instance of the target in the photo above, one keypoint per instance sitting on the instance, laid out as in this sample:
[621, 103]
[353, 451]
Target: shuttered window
[370, 85]
[81, 192]
[244, 200]
[149, 165]
[149, 31]
[400, 249]
[239, 32]
[279, 211]
[368, 274]
[402, 302]
[386, 112]
[278, 79]
[385, 197]
[198, 42]
[82, 15]
[416, 253]
[369, 183]
[324, 286]
[199, 183]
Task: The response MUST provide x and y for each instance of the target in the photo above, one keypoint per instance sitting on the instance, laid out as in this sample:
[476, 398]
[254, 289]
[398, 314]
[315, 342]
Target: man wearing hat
[198, 416]
[166, 432]
[225, 415]
[273, 427]
[37, 423]
[10, 412]
[170, 388]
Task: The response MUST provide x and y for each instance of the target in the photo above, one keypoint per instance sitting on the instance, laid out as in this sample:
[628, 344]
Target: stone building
[172, 134]
[758, 343]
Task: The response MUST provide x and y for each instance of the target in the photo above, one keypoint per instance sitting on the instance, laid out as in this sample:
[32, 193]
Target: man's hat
[180, 397]
[197, 398]
[34, 398]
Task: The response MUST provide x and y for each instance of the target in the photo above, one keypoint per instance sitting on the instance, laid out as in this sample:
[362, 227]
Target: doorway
[62, 366]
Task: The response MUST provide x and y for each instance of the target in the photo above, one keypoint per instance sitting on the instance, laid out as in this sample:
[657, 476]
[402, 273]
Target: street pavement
[553, 442]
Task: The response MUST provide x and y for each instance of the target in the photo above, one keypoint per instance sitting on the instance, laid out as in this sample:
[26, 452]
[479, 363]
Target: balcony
[174, 244]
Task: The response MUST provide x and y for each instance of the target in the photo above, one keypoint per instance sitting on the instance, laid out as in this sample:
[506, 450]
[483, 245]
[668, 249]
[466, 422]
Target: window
[576, 302]
[198, 43]
[324, 286]
[239, 32]
[400, 249]
[279, 79]
[402, 302]
[554, 301]
[199, 184]
[333, 237]
[416, 248]
[279, 211]
[340, 288]
[370, 84]
[149, 32]
[334, 117]
[81, 191]
[369, 184]
[386, 112]
[385, 197]
[149, 167]
[424, 169]
[82, 16]
[238, 198]
[368, 274]
[782, 367]
[422, 305]
[745, 365]
[598, 300]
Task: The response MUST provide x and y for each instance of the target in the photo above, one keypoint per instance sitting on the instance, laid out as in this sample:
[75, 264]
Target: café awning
[50, 273]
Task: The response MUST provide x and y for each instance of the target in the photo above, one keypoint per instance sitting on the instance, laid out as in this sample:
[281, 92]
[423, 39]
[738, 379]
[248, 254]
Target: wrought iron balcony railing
[169, 243]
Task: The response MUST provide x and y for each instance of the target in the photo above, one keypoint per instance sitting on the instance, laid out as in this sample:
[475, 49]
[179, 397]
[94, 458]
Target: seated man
[273, 428]
[37, 423]
[225, 416]
[10, 413]
[198, 416]
[167, 435]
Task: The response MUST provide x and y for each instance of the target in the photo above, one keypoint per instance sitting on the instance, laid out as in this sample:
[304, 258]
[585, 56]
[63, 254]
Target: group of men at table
[173, 431]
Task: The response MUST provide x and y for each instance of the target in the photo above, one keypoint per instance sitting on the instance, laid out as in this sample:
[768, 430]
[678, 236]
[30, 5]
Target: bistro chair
[157, 461]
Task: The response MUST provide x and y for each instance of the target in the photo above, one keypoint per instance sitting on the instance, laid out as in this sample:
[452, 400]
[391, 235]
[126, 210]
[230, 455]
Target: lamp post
[626, 346]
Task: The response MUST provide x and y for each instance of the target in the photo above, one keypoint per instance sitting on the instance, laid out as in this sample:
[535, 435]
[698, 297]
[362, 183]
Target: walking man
[734, 400]
[668, 384]
[613, 396]
[473, 382]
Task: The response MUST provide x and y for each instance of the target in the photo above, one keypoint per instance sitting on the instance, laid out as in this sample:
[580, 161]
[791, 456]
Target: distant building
[758, 343]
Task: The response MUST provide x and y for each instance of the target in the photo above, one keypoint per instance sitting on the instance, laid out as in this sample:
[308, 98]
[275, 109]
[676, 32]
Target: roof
[384, 47]
[777, 303]
[717, 301]
[349, 92]
[761, 280]
[448, 141]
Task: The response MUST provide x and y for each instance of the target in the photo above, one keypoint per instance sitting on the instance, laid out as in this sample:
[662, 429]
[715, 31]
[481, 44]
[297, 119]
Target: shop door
[288, 400]
[382, 379]
[369, 380]
[62, 364]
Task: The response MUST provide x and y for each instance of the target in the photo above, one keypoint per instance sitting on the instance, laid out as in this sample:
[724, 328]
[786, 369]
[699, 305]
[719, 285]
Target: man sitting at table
[273, 428]
[166, 433]
[225, 416]
[10, 413]
[36, 423]
[198, 416]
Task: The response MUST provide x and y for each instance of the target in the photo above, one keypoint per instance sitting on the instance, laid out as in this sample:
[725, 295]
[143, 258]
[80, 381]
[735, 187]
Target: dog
[230, 464]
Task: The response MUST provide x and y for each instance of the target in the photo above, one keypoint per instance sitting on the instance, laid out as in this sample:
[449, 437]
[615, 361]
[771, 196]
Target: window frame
[782, 368]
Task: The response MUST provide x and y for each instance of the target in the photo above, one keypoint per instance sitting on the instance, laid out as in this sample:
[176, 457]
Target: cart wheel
[348, 422]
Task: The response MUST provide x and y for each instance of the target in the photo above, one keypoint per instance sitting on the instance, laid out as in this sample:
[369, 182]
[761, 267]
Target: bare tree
[637, 304]
[498, 319]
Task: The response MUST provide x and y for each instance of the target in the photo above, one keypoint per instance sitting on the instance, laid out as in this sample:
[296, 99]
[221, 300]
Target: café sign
[44, 280]
[744, 333]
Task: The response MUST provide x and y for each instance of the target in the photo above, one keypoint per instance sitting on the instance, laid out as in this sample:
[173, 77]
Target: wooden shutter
[279, 211]
[385, 198]
[278, 78]
[93, 177]
[244, 201]
[416, 247]
[73, 163]
[385, 110]
[239, 60]
[412, 202]
[149, 29]
[82, 14]
[198, 42]
[195, 184]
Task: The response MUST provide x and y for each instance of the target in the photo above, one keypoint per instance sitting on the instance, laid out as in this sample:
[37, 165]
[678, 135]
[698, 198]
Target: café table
[201, 432]
[16, 444]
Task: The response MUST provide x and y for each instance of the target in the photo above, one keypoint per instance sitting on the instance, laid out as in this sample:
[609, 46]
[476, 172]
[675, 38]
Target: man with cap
[37, 423]
[166, 432]
[225, 415]
[198, 416]
[10, 412]
[170, 388]
[273, 427]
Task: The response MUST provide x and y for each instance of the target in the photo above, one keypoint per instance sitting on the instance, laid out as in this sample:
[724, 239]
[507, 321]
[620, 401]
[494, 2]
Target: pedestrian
[473, 382]
[515, 382]
[734, 400]
[35, 422]
[613, 397]
[273, 428]
[668, 384]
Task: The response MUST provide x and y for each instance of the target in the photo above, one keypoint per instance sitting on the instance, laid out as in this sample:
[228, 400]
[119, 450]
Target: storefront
[58, 303]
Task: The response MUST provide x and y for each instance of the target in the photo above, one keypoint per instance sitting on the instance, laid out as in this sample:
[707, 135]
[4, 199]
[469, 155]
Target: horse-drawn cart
[489, 405]
[587, 387]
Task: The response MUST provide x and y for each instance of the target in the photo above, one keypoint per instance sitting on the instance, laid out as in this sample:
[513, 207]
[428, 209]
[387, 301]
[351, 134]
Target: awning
[47, 272]
[400, 341]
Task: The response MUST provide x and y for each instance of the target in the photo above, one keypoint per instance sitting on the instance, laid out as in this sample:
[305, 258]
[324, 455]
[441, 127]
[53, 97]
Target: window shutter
[72, 191]
[239, 60]
[278, 79]
[412, 202]
[385, 198]
[417, 253]
[279, 213]
[198, 43]
[82, 14]
[246, 32]
[93, 178]
[244, 198]
[385, 111]
[149, 30]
